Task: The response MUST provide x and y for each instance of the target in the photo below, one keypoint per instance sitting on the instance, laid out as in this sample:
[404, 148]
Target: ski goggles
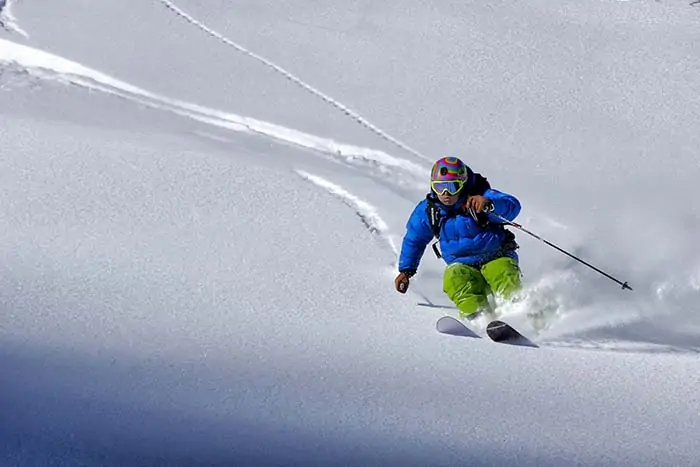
[452, 187]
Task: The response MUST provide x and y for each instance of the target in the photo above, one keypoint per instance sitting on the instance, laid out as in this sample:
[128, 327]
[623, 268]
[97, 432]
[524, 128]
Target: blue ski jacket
[462, 239]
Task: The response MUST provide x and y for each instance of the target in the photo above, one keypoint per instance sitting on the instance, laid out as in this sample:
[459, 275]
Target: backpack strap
[435, 219]
[434, 215]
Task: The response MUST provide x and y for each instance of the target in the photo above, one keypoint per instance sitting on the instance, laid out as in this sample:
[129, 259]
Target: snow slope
[7, 19]
[199, 240]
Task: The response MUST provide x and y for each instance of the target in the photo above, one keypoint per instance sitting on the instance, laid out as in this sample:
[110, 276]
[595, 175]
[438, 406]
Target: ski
[500, 331]
[503, 332]
[497, 330]
[454, 327]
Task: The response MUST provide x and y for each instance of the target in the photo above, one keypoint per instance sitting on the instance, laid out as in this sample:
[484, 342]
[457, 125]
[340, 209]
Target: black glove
[402, 280]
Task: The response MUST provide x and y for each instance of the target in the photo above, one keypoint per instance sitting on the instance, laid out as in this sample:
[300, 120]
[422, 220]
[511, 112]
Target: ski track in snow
[48, 66]
[8, 20]
[368, 214]
[298, 81]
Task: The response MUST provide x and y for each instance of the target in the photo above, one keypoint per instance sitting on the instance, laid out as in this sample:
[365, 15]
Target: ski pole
[523, 229]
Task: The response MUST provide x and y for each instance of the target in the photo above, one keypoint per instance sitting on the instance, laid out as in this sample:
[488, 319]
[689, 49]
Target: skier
[480, 253]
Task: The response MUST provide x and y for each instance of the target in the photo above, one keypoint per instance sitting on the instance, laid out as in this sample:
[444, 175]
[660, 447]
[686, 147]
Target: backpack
[437, 219]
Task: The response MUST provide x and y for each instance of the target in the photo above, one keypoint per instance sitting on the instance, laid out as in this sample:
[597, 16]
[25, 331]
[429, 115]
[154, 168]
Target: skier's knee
[503, 276]
[470, 305]
[467, 288]
[463, 279]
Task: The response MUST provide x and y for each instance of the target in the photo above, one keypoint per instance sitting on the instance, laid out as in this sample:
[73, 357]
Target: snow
[197, 252]
[8, 21]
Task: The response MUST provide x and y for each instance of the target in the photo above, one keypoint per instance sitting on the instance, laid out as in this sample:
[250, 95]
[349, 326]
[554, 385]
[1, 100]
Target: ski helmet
[449, 174]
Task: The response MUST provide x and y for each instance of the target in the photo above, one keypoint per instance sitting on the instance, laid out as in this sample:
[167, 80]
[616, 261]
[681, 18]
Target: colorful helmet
[449, 174]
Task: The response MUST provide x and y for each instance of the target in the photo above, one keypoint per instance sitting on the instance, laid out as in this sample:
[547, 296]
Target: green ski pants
[469, 287]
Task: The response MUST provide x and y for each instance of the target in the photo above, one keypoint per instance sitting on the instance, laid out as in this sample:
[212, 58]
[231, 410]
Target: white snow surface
[7, 19]
[202, 204]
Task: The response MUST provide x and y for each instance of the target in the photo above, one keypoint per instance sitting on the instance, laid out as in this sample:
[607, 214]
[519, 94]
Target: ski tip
[452, 326]
[447, 324]
[495, 324]
[500, 332]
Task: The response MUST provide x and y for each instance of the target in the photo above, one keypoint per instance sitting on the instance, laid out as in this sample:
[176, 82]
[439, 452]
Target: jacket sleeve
[418, 235]
[504, 205]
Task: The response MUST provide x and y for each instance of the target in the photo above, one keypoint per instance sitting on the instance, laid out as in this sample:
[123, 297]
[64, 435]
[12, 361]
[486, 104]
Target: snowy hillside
[202, 204]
